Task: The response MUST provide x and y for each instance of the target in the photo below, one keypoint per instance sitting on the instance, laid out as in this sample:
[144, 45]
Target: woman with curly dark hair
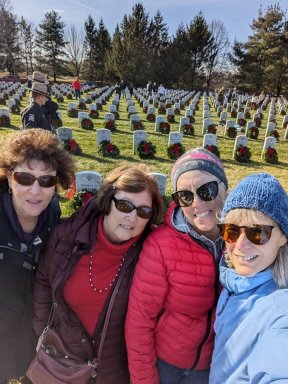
[32, 165]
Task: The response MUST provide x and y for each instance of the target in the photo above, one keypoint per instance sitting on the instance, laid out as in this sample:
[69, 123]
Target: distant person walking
[76, 85]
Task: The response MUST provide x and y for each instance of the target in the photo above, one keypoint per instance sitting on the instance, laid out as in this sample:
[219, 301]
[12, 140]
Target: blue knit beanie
[263, 193]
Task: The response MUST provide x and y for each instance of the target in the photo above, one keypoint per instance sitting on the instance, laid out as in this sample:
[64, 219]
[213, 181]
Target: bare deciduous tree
[75, 48]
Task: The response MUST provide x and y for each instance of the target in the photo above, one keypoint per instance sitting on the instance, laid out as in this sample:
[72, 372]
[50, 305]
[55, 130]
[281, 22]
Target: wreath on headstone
[212, 129]
[253, 133]
[242, 154]
[171, 118]
[87, 124]
[175, 150]
[110, 124]
[274, 133]
[151, 117]
[187, 129]
[137, 125]
[4, 121]
[15, 109]
[213, 149]
[72, 112]
[164, 127]
[82, 197]
[71, 146]
[108, 149]
[93, 113]
[146, 150]
[271, 156]
[232, 132]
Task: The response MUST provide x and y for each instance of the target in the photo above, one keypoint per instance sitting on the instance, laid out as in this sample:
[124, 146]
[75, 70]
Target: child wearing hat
[252, 313]
[169, 325]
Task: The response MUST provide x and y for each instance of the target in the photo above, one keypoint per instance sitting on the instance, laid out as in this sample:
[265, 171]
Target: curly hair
[36, 144]
[130, 178]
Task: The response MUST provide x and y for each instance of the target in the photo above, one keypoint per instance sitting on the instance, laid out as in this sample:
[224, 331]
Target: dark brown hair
[130, 178]
[36, 144]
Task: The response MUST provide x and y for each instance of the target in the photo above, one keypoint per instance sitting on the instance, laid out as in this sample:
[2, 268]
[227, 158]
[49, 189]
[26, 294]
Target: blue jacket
[251, 328]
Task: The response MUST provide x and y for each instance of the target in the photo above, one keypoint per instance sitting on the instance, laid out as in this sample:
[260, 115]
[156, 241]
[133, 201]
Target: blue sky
[236, 15]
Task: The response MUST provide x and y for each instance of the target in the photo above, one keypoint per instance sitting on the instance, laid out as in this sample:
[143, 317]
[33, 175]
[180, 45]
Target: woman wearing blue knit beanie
[251, 325]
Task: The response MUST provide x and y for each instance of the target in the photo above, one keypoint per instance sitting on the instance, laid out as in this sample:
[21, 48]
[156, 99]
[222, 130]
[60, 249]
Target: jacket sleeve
[146, 300]
[268, 362]
[42, 289]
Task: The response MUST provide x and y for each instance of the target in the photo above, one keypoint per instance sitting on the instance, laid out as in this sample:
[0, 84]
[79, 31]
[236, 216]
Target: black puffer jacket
[71, 239]
[17, 339]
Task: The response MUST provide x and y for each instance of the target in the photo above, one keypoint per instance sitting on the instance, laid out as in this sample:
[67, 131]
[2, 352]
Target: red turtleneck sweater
[82, 299]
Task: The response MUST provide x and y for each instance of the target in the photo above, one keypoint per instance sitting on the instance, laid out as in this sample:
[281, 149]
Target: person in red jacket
[76, 85]
[169, 324]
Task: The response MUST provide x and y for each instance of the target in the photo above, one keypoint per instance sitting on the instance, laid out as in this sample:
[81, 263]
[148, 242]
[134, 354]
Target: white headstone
[269, 142]
[209, 139]
[240, 140]
[112, 108]
[71, 106]
[64, 133]
[151, 110]
[103, 134]
[175, 137]
[81, 116]
[159, 119]
[109, 117]
[132, 109]
[138, 136]
[170, 111]
[88, 181]
[270, 127]
[161, 180]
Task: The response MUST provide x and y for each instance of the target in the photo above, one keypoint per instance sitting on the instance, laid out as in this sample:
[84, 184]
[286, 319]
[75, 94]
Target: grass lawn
[123, 138]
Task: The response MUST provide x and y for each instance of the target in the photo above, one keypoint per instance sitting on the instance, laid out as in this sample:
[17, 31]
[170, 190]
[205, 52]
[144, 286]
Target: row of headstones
[92, 180]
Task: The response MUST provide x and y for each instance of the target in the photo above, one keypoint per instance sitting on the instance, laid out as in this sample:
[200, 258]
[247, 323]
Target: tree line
[198, 56]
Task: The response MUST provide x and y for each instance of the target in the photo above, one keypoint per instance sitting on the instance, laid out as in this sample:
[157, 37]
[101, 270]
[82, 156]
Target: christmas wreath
[233, 114]
[247, 115]
[164, 127]
[116, 114]
[285, 124]
[241, 122]
[283, 112]
[60, 99]
[253, 133]
[242, 154]
[145, 109]
[232, 132]
[88, 100]
[99, 106]
[2, 101]
[213, 149]
[72, 112]
[151, 118]
[15, 109]
[257, 121]
[146, 150]
[87, 124]
[82, 197]
[71, 146]
[171, 118]
[271, 155]
[4, 121]
[161, 110]
[176, 150]
[177, 111]
[168, 105]
[93, 113]
[109, 124]
[69, 96]
[212, 129]
[137, 125]
[187, 129]
[191, 119]
[81, 105]
[108, 149]
[275, 134]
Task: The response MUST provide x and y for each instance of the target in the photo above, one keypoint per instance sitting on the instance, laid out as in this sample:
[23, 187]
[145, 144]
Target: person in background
[32, 165]
[76, 85]
[169, 326]
[149, 88]
[89, 264]
[34, 115]
[161, 90]
[118, 89]
[252, 314]
[123, 88]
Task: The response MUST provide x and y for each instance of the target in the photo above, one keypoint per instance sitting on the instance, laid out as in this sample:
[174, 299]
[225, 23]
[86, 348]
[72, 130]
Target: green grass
[123, 138]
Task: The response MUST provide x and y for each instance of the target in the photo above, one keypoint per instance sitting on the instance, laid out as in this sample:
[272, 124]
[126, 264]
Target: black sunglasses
[126, 207]
[258, 234]
[206, 192]
[25, 178]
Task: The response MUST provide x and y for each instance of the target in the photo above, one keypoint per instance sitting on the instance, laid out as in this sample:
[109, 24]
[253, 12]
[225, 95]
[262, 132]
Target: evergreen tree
[9, 43]
[115, 60]
[102, 47]
[50, 41]
[90, 48]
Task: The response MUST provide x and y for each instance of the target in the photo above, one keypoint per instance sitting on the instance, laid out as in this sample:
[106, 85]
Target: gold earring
[227, 260]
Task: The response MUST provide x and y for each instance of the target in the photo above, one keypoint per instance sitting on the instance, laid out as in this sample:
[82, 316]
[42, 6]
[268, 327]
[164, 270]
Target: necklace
[105, 289]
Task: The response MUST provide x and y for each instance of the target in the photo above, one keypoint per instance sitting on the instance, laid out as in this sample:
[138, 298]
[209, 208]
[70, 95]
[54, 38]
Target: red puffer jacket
[171, 305]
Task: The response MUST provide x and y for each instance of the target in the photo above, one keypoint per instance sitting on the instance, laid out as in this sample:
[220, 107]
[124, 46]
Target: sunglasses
[206, 192]
[126, 207]
[25, 178]
[258, 234]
